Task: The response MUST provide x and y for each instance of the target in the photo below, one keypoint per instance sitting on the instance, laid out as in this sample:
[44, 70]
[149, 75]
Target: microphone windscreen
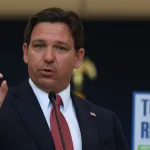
[52, 96]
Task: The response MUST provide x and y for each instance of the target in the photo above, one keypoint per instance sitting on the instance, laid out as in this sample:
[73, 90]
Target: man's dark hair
[54, 15]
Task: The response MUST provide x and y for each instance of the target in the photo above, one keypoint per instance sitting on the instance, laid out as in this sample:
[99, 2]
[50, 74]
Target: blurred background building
[117, 44]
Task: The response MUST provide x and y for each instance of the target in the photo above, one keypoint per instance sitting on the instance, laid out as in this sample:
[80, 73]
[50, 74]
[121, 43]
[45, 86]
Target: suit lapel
[87, 123]
[33, 117]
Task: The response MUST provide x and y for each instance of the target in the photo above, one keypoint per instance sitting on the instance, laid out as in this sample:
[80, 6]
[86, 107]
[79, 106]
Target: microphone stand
[58, 122]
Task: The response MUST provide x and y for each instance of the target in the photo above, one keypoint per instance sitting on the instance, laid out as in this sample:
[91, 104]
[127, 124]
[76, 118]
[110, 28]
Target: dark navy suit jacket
[23, 125]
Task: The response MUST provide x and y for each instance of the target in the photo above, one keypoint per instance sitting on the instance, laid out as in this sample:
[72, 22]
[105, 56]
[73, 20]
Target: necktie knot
[58, 101]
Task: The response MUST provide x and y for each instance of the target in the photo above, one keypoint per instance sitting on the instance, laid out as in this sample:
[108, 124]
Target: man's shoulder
[16, 90]
[98, 110]
[18, 87]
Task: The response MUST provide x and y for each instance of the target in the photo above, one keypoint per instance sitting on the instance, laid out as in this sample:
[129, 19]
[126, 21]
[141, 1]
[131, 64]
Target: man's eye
[39, 45]
[60, 48]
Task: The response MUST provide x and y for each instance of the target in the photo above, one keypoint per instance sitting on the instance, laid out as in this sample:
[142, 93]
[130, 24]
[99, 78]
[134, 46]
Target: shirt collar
[65, 95]
[40, 94]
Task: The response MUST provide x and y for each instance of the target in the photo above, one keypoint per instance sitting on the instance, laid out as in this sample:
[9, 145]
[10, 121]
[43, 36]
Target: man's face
[51, 56]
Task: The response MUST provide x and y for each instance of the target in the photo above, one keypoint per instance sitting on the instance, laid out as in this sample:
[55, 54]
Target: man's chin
[47, 85]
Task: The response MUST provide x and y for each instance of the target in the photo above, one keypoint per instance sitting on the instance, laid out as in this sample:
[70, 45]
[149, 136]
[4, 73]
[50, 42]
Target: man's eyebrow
[55, 42]
[62, 43]
[37, 40]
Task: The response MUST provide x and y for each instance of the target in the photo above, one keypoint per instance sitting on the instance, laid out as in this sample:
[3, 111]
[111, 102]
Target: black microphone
[52, 98]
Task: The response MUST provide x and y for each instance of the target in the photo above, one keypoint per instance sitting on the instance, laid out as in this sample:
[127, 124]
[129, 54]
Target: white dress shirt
[67, 110]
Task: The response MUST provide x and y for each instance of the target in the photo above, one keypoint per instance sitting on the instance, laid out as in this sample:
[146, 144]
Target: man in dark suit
[53, 47]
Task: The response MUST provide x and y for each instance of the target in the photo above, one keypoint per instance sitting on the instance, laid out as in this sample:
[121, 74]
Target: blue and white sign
[141, 121]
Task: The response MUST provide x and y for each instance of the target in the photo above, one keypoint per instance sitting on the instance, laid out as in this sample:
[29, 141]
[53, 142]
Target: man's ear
[25, 52]
[79, 57]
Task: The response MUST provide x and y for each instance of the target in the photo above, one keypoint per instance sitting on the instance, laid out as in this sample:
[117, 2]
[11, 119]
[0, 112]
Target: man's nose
[49, 55]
